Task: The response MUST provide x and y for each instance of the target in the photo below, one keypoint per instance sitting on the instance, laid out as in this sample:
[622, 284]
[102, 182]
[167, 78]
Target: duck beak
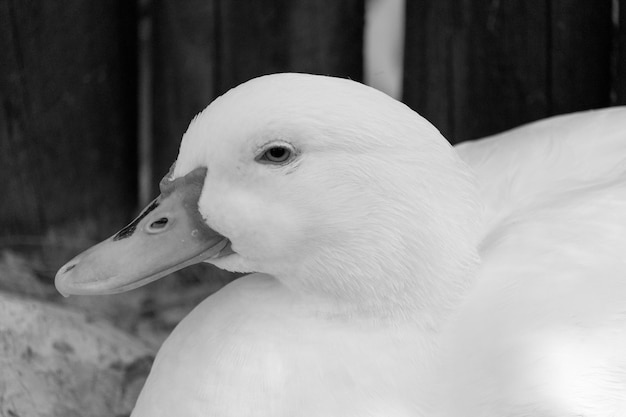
[168, 235]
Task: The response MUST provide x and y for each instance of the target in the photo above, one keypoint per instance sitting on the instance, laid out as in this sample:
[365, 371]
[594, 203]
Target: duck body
[542, 333]
[544, 330]
[268, 351]
[392, 275]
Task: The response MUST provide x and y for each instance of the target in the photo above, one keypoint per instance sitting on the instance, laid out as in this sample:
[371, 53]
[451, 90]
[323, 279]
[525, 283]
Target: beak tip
[63, 280]
[60, 286]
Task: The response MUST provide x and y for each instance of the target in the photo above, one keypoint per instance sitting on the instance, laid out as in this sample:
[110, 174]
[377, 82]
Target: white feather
[394, 279]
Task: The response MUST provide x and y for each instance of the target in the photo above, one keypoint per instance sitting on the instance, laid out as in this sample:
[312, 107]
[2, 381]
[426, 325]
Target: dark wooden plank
[428, 54]
[185, 48]
[474, 68]
[203, 48]
[620, 52]
[316, 36]
[580, 55]
[67, 96]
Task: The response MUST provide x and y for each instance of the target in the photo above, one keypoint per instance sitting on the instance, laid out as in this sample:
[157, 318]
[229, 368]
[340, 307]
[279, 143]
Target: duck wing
[519, 167]
[544, 330]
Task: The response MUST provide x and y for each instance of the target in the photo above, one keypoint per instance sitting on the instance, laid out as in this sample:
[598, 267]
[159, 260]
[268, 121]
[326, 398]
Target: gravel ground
[96, 350]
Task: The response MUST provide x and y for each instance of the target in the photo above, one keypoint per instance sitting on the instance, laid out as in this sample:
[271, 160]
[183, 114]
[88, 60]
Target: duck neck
[405, 278]
[411, 255]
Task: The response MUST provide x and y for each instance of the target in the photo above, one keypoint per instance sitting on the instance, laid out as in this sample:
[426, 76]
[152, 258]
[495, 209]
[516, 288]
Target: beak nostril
[158, 225]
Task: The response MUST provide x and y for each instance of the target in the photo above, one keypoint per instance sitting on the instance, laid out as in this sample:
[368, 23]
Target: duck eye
[276, 154]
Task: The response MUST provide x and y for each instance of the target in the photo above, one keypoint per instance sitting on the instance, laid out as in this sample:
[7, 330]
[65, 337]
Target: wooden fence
[69, 84]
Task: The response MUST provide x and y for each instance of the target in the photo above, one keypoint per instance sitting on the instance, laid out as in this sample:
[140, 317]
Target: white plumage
[395, 278]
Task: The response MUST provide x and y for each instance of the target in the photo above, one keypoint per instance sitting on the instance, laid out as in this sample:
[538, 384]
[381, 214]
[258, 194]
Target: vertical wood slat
[620, 51]
[185, 52]
[475, 68]
[67, 129]
[320, 37]
[580, 55]
[203, 48]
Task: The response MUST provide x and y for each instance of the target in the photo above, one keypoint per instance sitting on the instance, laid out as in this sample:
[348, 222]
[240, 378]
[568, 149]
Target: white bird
[392, 275]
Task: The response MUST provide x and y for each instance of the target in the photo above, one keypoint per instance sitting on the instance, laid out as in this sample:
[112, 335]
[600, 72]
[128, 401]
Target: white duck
[388, 280]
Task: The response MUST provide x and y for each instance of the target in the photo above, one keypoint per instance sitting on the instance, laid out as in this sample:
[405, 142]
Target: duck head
[328, 185]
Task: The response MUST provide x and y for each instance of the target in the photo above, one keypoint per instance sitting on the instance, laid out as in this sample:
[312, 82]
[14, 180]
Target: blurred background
[95, 97]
